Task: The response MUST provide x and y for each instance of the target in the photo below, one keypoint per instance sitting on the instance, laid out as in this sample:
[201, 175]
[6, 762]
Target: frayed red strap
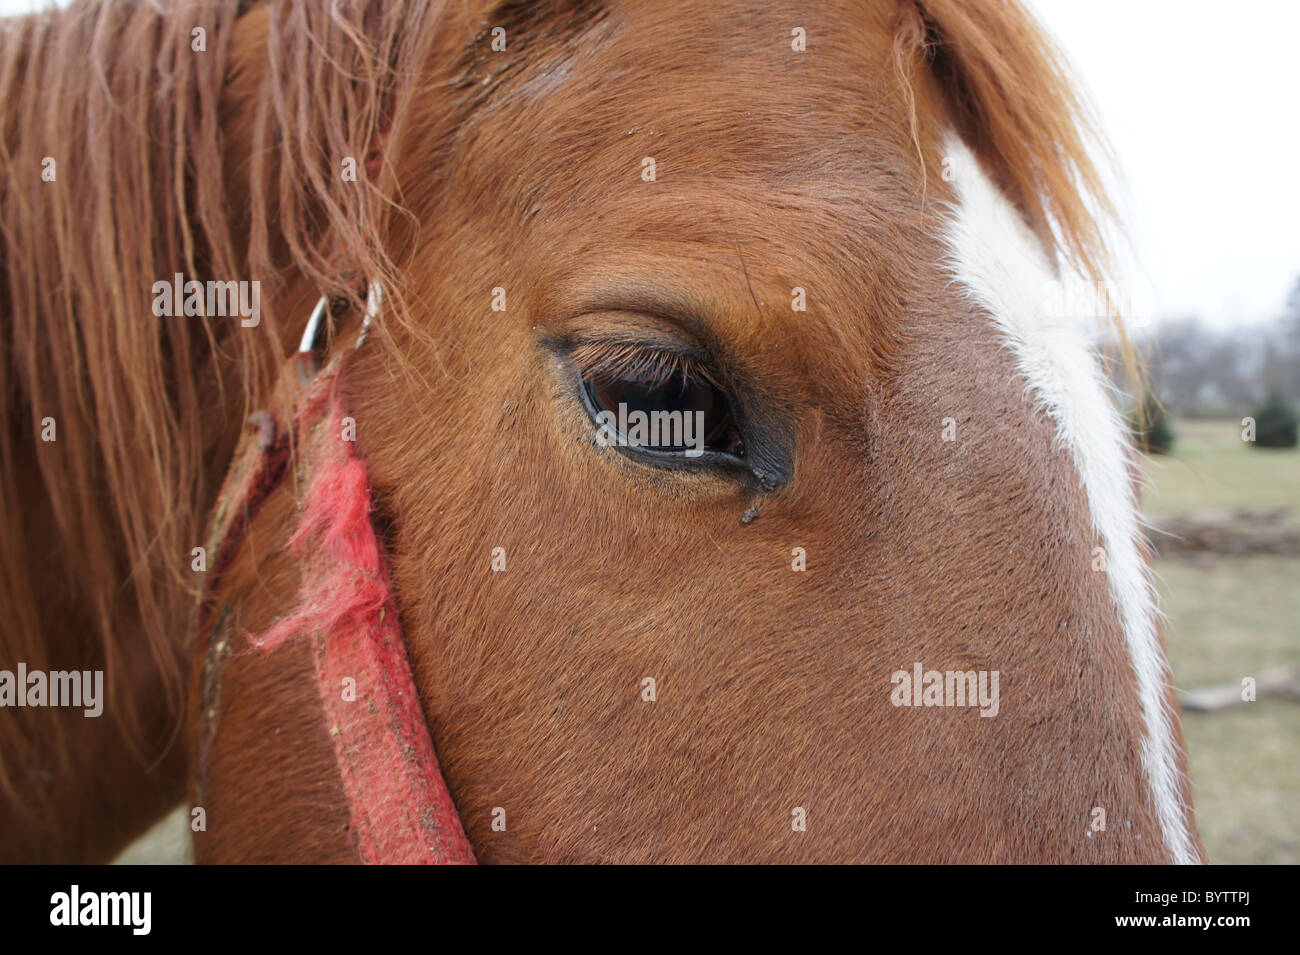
[400, 808]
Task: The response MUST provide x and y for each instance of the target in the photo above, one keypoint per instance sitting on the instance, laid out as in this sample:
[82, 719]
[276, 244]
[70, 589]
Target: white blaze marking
[1004, 269]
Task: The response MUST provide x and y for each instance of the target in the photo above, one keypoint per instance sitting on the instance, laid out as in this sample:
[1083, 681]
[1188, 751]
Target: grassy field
[1230, 618]
[1211, 468]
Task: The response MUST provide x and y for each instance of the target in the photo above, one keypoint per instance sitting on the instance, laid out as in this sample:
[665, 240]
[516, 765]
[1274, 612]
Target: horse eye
[683, 414]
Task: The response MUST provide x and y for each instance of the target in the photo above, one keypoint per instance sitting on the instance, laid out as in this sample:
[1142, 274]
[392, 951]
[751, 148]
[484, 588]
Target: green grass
[1211, 468]
[1230, 618]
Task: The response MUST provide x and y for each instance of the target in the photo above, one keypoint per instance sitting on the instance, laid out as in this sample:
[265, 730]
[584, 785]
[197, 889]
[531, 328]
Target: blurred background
[1199, 104]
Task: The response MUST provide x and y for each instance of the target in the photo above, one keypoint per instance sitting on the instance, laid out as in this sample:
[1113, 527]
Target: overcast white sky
[1201, 102]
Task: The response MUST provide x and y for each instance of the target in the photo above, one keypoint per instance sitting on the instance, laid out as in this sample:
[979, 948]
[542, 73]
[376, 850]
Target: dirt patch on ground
[1238, 533]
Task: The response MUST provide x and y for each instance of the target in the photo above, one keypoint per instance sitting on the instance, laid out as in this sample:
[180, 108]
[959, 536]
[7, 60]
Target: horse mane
[1008, 91]
[224, 164]
[219, 163]
[1010, 95]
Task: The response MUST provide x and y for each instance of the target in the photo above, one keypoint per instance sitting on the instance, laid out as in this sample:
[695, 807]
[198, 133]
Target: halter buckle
[314, 333]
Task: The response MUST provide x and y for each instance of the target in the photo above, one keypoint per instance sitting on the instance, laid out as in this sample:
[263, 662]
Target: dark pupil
[685, 395]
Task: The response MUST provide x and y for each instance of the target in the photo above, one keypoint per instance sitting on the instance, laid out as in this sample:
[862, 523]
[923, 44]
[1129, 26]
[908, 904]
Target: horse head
[880, 596]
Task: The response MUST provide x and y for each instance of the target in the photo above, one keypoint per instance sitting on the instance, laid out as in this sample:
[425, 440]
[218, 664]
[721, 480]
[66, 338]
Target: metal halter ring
[315, 329]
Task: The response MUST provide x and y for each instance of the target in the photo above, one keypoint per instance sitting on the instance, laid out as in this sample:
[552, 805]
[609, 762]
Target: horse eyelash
[643, 364]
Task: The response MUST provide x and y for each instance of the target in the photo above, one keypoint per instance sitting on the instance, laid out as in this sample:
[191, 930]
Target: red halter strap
[400, 808]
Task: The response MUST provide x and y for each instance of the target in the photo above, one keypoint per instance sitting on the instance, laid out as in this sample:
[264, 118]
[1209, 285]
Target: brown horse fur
[521, 169]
